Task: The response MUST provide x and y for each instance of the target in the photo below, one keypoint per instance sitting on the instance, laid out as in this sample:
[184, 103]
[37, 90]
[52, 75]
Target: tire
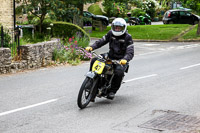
[104, 23]
[86, 92]
[133, 22]
[196, 22]
[148, 23]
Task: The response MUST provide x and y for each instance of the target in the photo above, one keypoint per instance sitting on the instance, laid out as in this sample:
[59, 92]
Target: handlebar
[101, 57]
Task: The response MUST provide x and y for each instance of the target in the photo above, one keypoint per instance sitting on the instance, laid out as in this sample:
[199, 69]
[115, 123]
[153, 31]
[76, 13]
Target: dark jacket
[120, 47]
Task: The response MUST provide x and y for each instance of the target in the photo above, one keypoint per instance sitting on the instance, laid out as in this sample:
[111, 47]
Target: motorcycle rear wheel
[86, 92]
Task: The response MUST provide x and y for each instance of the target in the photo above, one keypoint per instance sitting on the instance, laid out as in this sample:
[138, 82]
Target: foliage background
[95, 9]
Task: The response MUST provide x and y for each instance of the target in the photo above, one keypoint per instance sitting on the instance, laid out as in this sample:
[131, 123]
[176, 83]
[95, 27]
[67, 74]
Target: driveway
[157, 23]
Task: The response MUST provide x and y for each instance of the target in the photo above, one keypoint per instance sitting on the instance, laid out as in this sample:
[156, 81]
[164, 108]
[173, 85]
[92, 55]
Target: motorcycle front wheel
[86, 92]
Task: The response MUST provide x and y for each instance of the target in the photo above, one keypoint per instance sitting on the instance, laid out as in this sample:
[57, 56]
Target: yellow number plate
[98, 67]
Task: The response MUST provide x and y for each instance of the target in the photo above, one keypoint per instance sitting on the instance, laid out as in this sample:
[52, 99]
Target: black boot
[111, 95]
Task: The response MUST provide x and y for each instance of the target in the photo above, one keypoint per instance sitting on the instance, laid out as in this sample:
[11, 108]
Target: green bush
[33, 19]
[7, 37]
[60, 55]
[67, 30]
[137, 12]
[71, 51]
[61, 30]
[38, 37]
[95, 9]
[149, 7]
[18, 10]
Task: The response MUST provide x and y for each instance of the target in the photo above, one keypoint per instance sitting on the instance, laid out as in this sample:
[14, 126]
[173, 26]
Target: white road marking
[148, 53]
[148, 76]
[188, 46]
[190, 66]
[151, 44]
[27, 107]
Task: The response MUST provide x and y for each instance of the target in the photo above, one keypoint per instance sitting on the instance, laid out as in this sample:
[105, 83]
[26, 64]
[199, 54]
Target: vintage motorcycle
[141, 20]
[144, 20]
[98, 81]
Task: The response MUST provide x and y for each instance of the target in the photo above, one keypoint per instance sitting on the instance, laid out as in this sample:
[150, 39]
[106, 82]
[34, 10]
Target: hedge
[65, 29]
[95, 9]
[7, 37]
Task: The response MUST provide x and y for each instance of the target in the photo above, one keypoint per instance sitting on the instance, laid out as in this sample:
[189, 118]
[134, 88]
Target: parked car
[102, 18]
[180, 16]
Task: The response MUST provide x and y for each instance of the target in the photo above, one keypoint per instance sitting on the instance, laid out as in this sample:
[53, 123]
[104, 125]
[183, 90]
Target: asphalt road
[163, 77]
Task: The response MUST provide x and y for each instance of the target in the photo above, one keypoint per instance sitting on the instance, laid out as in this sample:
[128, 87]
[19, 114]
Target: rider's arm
[130, 49]
[101, 42]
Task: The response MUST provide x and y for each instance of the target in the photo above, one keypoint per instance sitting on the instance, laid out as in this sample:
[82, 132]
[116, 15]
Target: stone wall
[5, 60]
[31, 56]
[6, 14]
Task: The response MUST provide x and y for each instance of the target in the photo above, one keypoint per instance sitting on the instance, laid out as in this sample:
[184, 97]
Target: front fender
[90, 74]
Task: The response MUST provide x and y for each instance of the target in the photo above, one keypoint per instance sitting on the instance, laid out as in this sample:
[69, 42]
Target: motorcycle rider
[120, 48]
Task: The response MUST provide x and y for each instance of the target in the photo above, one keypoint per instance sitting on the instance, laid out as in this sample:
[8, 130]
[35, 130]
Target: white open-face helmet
[118, 26]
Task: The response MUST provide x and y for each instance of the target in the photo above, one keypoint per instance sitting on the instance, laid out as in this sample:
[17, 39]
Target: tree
[137, 3]
[63, 11]
[38, 8]
[195, 6]
[192, 4]
[121, 5]
[79, 4]
[164, 3]
[149, 6]
[66, 10]
[59, 9]
[198, 29]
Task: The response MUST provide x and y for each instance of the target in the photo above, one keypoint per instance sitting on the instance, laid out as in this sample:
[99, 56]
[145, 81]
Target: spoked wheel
[86, 92]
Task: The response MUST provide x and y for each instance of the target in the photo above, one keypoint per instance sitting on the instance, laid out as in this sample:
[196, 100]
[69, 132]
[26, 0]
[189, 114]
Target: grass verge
[149, 32]
[191, 35]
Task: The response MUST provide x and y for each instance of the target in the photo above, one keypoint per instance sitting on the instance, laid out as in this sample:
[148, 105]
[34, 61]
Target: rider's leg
[117, 79]
[116, 82]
